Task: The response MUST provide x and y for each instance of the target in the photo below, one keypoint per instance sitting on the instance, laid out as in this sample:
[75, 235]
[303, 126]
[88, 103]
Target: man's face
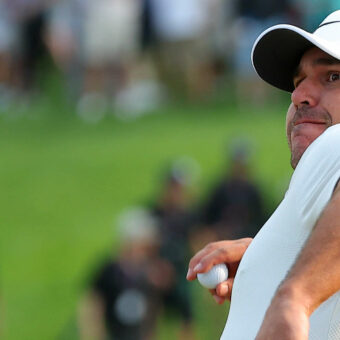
[315, 101]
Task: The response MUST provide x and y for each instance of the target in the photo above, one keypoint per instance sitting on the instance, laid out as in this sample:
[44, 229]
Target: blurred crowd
[128, 56]
[146, 277]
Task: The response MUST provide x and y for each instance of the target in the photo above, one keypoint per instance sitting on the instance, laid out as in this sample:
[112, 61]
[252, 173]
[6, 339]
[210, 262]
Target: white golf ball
[214, 276]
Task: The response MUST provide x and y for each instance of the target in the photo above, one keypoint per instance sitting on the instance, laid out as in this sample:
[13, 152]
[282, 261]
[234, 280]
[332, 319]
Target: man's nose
[306, 93]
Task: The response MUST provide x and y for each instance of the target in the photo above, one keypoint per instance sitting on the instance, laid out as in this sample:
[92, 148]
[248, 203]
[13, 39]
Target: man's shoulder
[319, 167]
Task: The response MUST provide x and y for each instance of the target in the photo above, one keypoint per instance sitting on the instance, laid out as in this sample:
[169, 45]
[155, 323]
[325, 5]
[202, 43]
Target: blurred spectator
[181, 29]
[173, 212]
[234, 209]
[64, 37]
[28, 18]
[123, 301]
[314, 11]
[97, 45]
[147, 34]
[111, 42]
[7, 45]
[253, 17]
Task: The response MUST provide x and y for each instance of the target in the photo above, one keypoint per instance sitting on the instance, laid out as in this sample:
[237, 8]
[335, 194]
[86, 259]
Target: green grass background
[63, 182]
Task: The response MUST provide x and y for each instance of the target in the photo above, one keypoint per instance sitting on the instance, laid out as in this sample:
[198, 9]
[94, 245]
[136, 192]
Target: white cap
[277, 51]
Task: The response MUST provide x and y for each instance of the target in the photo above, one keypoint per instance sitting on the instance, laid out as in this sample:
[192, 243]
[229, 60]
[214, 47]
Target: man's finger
[219, 299]
[196, 260]
[220, 255]
[224, 289]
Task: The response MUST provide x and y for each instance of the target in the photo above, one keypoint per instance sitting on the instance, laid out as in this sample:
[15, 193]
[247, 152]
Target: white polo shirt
[277, 245]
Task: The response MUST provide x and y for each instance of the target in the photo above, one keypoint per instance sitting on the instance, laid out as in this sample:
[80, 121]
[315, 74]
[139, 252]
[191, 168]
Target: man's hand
[285, 319]
[228, 252]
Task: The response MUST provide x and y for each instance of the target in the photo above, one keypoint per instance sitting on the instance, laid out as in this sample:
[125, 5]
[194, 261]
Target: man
[285, 283]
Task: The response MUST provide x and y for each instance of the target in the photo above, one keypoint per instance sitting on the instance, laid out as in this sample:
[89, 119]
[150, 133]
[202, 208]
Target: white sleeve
[317, 174]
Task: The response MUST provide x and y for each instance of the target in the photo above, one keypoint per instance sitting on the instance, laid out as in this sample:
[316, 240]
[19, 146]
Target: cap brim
[277, 52]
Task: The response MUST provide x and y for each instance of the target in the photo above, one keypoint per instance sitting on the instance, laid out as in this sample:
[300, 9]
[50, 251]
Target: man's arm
[313, 278]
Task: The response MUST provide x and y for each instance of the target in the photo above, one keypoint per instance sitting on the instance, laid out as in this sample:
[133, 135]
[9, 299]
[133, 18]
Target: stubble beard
[298, 151]
[295, 156]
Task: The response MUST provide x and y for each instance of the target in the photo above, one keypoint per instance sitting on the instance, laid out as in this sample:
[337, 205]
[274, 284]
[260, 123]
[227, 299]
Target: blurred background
[132, 132]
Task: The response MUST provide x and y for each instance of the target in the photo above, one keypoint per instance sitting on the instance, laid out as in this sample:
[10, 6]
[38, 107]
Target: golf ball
[214, 276]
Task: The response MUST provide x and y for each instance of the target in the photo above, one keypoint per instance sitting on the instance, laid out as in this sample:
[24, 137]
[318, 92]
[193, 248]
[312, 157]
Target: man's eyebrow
[326, 61]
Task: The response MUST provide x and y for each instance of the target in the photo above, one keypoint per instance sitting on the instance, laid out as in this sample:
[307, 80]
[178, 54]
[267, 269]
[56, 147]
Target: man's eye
[334, 77]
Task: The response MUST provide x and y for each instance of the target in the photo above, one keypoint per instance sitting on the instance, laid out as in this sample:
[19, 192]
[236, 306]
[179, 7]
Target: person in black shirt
[234, 209]
[124, 298]
[175, 221]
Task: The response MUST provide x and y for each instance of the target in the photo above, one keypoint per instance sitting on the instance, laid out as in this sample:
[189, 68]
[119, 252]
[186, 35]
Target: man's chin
[294, 161]
[297, 154]
[299, 144]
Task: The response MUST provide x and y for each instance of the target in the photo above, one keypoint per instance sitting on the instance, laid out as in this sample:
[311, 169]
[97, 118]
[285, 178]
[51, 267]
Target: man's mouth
[308, 121]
